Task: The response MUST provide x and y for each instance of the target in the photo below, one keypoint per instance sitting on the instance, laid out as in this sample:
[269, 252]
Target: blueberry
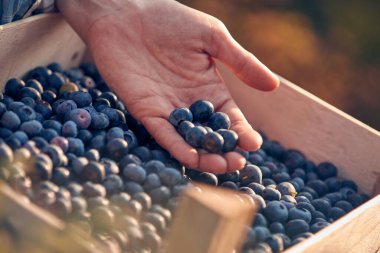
[271, 194]
[195, 136]
[259, 201]
[313, 193]
[101, 103]
[299, 173]
[143, 153]
[170, 177]
[29, 92]
[318, 226]
[229, 185]
[78, 204]
[326, 170]
[3, 108]
[262, 233]
[267, 173]
[56, 155]
[5, 133]
[69, 129]
[219, 120]
[257, 188]
[355, 199]
[349, 184]
[144, 199]
[80, 116]
[268, 181]
[249, 174]
[53, 124]
[152, 181]
[276, 227]
[117, 148]
[255, 159]
[84, 135]
[13, 87]
[300, 213]
[286, 188]
[94, 172]
[131, 138]
[157, 220]
[294, 159]
[76, 146]
[64, 107]
[29, 102]
[10, 120]
[184, 126]
[92, 190]
[130, 158]
[275, 211]
[260, 221]
[319, 215]
[134, 172]
[31, 128]
[21, 136]
[180, 114]
[113, 184]
[6, 154]
[281, 177]
[99, 121]
[35, 84]
[154, 166]
[110, 166]
[42, 168]
[322, 205]
[213, 142]
[246, 190]
[97, 142]
[207, 178]
[132, 188]
[102, 218]
[44, 109]
[114, 132]
[275, 242]
[344, 205]
[81, 98]
[295, 227]
[333, 184]
[202, 110]
[153, 241]
[115, 117]
[333, 197]
[231, 176]
[335, 213]
[160, 195]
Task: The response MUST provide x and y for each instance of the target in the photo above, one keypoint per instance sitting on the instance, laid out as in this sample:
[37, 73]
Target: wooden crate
[290, 115]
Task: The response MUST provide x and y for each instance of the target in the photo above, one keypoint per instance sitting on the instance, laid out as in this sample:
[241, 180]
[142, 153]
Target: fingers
[244, 64]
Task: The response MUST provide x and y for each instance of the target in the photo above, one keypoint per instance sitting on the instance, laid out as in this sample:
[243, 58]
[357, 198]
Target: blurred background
[329, 48]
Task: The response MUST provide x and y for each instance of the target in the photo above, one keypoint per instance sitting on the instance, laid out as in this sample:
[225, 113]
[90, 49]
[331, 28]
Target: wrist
[83, 16]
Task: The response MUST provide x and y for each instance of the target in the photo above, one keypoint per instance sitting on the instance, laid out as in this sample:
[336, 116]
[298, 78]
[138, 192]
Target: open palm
[158, 55]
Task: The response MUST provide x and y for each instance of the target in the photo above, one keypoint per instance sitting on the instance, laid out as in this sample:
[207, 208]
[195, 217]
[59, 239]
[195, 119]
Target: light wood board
[37, 40]
[300, 120]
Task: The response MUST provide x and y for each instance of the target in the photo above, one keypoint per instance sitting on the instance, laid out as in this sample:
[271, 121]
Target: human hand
[159, 55]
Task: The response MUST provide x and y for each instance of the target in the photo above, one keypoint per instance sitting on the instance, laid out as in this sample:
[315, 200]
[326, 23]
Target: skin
[159, 55]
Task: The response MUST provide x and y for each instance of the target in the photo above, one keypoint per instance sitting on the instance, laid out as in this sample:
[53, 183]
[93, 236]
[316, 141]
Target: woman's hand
[159, 55]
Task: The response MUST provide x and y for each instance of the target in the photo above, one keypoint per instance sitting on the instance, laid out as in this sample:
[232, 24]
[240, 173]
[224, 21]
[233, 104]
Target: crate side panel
[37, 40]
[300, 120]
[359, 231]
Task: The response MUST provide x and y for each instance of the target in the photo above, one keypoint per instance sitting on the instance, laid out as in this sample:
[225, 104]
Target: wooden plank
[358, 231]
[300, 120]
[37, 40]
[39, 229]
[208, 221]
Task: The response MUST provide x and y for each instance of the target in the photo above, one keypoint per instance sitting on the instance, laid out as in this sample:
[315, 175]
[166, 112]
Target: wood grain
[302, 121]
[37, 40]
[209, 221]
[358, 231]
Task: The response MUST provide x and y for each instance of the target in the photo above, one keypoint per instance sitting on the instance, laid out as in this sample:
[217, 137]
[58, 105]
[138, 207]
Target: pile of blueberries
[203, 128]
[69, 145]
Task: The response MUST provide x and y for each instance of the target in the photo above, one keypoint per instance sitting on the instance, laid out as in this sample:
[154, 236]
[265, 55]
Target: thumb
[243, 63]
